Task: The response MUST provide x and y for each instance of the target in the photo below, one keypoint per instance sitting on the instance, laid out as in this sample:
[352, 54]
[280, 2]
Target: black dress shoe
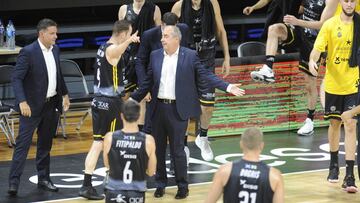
[159, 192]
[47, 185]
[182, 193]
[13, 189]
[90, 193]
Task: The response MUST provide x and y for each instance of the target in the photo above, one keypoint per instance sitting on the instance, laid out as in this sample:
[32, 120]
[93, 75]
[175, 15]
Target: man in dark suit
[150, 41]
[41, 95]
[173, 77]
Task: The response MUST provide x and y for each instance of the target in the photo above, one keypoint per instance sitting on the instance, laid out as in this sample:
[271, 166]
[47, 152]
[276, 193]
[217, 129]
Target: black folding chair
[80, 99]
[252, 48]
[7, 113]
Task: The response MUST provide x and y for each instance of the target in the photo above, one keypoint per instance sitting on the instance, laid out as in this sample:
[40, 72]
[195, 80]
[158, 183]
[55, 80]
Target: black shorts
[297, 41]
[128, 196]
[207, 94]
[106, 115]
[335, 105]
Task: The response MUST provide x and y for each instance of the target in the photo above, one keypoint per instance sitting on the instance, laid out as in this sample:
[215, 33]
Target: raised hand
[235, 90]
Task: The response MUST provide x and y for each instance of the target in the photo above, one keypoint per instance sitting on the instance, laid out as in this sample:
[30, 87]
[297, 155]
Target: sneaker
[307, 128]
[349, 184]
[204, 145]
[90, 193]
[187, 152]
[265, 74]
[333, 176]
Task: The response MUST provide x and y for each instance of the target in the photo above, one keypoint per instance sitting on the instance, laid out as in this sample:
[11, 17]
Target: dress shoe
[13, 189]
[159, 192]
[182, 193]
[89, 192]
[47, 185]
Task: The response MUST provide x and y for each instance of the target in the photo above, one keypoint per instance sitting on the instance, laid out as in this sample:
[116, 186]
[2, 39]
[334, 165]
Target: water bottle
[10, 35]
[2, 34]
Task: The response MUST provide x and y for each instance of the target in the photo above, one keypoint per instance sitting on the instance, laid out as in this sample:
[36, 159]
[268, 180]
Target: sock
[270, 60]
[311, 114]
[203, 132]
[350, 167]
[87, 180]
[141, 127]
[185, 140]
[334, 159]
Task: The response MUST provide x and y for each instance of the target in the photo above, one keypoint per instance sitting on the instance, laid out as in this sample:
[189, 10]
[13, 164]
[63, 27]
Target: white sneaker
[204, 145]
[307, 128]
[265, 74]
[187, 152]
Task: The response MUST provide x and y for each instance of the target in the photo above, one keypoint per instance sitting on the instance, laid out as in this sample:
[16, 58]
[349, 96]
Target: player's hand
[290, 19]
[66, 102]
[148, 97]
[135, 38]
[313, 68]
[347, 115]
[235, 90]
[25, 109]
[226, 68]
[248, 10]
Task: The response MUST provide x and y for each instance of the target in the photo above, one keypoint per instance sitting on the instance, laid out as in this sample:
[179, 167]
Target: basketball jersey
[204, 47]
[312, 12]
[130, 15]
[248, 183]
[128, 161]
[196, 28]
[108, 79]
[336, 37]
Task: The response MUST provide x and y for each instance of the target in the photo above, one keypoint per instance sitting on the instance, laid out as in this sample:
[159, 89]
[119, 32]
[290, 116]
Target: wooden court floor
[299, 187]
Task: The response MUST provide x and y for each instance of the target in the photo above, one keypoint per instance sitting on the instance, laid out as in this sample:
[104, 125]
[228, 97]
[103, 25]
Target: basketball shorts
[207, 94]
[126, 196]
[335, 105]
[106, 115]
[297, 41]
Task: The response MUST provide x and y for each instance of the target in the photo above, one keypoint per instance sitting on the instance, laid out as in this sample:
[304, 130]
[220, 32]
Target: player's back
[128, 161]
[249, 183]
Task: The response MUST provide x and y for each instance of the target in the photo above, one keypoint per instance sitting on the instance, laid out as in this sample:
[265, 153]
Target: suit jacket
[188, 72]
[30, 79]
[150, 41]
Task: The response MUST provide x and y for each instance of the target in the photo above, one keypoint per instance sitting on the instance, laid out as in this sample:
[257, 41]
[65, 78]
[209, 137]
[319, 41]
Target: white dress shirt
[51, 69]
[168, 76]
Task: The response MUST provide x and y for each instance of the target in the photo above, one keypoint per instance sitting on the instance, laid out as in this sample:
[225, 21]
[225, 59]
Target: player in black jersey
[299, 34]
[128, 155]
[248, 180]
[206, 27]
[108, 90]
[142, 15]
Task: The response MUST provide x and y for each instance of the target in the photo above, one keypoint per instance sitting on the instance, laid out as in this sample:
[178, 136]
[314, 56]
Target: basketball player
[248, 179]
[128, 154]
[340, 37]
[297, 33]
[108, 90]
[206, 27]
[142, 15]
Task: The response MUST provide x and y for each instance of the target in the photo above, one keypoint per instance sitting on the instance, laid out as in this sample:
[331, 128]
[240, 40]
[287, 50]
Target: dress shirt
[51, 69]
[168, 76]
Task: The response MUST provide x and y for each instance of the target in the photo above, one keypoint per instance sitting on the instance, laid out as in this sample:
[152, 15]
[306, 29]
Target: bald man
[248, 179]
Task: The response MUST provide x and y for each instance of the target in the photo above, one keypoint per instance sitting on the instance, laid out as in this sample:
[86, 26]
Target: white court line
[194, 184]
